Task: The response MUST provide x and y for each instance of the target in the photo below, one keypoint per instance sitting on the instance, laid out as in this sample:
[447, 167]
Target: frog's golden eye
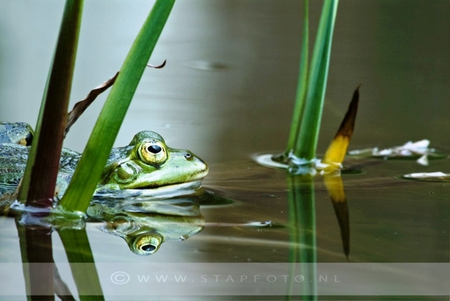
[153, 153]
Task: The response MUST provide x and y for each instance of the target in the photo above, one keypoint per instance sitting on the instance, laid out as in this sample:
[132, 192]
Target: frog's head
[147, 163]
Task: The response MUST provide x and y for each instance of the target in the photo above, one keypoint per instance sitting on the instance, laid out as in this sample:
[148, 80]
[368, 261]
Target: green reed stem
[310, 124]
[38, 184]
[93, 160]
[302, 83]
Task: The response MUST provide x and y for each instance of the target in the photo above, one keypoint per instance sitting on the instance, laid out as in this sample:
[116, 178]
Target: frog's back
[15, 139]
[16, 132]
[13, 160]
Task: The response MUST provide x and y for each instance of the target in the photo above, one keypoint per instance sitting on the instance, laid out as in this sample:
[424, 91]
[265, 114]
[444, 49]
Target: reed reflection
[302, 222]
[144, 224]
[42, 279]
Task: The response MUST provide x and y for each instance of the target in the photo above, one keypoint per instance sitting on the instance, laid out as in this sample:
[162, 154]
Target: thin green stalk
[93, 160]
[41, 172]
[302, 83]
[310, 124]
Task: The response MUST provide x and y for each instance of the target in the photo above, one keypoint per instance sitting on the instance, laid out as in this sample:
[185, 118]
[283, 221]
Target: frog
[147, 164]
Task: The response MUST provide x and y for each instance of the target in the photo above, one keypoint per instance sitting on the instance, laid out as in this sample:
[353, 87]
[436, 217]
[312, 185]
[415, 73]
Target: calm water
[227, 93]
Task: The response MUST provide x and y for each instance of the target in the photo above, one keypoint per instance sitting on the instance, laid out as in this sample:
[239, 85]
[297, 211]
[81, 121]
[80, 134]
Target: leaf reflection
[335, 188]
[78, 250]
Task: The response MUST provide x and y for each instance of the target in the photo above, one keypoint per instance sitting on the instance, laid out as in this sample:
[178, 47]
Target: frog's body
[146, 163]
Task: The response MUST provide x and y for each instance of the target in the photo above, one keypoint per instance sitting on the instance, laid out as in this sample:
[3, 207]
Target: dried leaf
[159, 66]
[82, 105]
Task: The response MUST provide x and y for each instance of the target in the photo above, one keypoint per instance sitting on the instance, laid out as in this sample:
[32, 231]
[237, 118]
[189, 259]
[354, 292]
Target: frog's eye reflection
[148, 248]
[152, 153]
[145, 244]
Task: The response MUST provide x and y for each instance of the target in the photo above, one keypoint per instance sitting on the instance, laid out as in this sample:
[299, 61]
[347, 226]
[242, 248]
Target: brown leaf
[82, 105]
[157, 67]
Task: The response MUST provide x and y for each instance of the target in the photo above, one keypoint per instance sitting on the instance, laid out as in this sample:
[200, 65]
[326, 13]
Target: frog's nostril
[188, 156]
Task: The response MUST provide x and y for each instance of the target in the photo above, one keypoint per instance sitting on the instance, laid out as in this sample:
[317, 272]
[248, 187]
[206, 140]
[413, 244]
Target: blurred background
[229, 85]
[227, 92]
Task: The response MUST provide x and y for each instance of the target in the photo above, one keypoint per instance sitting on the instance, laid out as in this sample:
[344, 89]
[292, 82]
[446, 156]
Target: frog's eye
[153, 153]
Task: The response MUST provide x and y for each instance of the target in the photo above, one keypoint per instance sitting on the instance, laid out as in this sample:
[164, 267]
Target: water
[227, 94]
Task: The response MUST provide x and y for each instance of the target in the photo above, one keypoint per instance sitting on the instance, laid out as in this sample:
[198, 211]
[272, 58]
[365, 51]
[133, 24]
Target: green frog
[146, 165]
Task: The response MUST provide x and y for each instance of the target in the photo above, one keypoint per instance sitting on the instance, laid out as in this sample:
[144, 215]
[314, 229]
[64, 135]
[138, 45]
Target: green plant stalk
[38, 183]
[317, 79]
[84, 181]
[302, 84]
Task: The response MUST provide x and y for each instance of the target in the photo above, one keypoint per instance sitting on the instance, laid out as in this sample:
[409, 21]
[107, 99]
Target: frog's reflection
[146, 223]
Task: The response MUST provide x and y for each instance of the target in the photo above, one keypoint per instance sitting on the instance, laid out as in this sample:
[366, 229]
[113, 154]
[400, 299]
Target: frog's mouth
[190, 188]
[193, 184]
[194, 181]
